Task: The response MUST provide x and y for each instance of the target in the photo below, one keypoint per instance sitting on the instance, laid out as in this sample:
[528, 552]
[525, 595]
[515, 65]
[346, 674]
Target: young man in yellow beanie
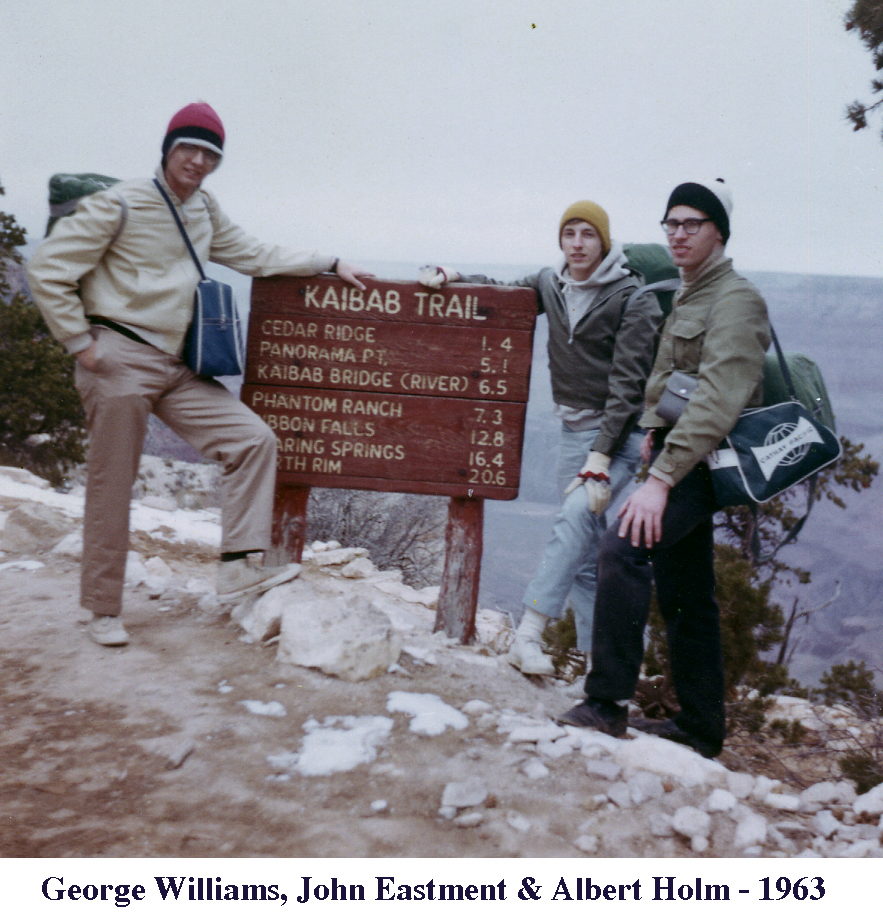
[600, 352]
[116, 286]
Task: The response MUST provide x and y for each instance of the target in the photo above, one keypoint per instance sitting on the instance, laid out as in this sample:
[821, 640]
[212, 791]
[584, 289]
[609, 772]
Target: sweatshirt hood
[611, 269]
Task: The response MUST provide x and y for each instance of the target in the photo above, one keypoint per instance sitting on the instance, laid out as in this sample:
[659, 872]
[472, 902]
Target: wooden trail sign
[398, 388]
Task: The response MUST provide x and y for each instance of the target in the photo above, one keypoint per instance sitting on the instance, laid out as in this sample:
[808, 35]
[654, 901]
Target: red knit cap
[198, 124]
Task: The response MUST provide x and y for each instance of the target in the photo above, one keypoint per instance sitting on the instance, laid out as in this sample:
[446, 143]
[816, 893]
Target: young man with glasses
[718, 332]
[115, 284]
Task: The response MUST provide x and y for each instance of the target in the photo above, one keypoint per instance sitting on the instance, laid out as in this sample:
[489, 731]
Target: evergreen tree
[751, 625]
[866, 17]
[765, 530]
[852, 684]
[41, 418]
[756, 637]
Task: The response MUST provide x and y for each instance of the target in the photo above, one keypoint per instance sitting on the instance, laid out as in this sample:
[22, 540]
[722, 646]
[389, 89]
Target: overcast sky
[458, 132]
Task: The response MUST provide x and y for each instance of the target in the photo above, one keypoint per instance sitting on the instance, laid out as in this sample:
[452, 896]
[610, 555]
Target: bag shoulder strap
[791, 534]
[783, 365]
[180, 224]
[124, 216]
[665, 285]
[794, 531]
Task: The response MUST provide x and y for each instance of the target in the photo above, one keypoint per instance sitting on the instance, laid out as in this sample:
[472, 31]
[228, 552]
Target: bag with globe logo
[775, 447]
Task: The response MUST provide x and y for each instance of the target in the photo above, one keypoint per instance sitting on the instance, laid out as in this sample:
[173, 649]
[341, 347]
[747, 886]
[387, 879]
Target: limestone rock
[33, 527]
[824, 793]
[620, 795]
[721, 801]
[467, 794]
[338, 557]
[663, 757]
[782, 802]
[870, 802]
[660, 825]
[751, 831]
[136, 572]
[691, 822]
[535, 733]
[555, 749]
[645, 786]
[587, 843]
[825, 824]
[71, 545]
[347, 637]
[741, 784]
[358, 569]
[518, 822]
[535, 769]
[260, 617]
[764, 786]
[472, 819]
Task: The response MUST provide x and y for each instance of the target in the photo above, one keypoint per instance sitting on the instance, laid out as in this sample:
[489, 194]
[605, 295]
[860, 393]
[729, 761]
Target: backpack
[661, 276]
[808, 383]
[66, 190]
[801, 380]
[654, 264]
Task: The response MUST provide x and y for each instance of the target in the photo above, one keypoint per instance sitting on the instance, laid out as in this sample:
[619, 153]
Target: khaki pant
[132, 380]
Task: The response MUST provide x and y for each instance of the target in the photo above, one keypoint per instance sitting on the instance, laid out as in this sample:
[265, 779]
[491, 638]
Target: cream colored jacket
[144, 279]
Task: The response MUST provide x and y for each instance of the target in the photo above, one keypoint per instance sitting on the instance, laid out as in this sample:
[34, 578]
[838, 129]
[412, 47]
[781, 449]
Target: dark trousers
[682, 565]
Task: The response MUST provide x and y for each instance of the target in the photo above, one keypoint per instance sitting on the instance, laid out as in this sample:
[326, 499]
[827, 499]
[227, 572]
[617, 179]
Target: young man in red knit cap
[115, 283]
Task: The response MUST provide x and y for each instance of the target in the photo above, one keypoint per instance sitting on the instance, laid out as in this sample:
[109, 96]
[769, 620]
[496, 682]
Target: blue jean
[567, 571]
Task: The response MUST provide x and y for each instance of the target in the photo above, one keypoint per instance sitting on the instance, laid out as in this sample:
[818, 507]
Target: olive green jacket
[718, 331]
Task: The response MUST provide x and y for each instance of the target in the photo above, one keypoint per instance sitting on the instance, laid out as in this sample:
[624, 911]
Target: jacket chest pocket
[687, 338]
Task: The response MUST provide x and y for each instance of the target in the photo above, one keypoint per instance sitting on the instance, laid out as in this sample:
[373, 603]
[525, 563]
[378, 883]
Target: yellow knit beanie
[594, 215]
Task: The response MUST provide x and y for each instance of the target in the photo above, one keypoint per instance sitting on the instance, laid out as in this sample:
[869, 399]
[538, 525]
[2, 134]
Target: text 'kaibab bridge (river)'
[395, 388]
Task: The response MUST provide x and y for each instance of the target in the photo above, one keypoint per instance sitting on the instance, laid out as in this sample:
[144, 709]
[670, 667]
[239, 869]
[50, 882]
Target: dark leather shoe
[668, 730]
[597, 715]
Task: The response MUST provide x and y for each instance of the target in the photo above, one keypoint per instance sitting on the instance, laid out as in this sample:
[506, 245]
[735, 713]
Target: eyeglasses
[191, 150]
[691, 225]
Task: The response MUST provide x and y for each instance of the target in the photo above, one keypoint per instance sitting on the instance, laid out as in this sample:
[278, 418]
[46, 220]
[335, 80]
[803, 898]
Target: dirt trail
[88, 735]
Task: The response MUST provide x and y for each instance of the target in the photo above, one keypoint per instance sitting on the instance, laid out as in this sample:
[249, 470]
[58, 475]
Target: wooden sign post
[398, 388]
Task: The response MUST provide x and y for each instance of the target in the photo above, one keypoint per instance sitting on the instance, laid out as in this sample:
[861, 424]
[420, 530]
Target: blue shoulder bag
[213, 344]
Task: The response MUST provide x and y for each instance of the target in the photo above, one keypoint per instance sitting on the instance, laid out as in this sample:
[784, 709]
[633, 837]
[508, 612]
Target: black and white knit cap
[714, 199]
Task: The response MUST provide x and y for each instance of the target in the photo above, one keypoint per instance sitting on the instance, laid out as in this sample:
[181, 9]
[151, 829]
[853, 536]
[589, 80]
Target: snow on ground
[200, 527]
[477, 766]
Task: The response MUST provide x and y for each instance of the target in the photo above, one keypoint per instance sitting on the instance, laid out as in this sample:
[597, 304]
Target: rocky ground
[328, 719]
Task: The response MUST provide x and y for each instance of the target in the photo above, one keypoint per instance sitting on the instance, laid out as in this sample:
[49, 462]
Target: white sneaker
[527, 655]
[108, 630]
[240, 578]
